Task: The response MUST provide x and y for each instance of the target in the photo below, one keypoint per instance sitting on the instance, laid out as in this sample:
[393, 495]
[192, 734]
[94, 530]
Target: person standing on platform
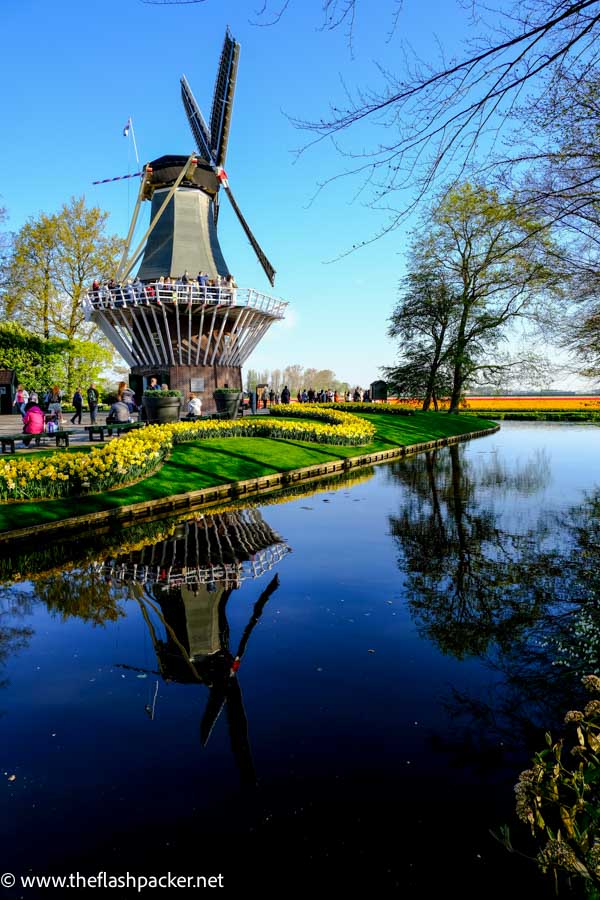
[92, 399]
[78, 404]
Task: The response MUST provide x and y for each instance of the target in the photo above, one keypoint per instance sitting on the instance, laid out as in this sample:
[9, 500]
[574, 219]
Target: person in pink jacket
[33, 422]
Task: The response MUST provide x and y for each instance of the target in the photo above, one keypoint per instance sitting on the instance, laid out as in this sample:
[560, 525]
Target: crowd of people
[42, 411]
[185, 288]
[269, 397]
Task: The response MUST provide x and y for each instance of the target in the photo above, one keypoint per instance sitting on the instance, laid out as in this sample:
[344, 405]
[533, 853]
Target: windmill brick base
[203, 380]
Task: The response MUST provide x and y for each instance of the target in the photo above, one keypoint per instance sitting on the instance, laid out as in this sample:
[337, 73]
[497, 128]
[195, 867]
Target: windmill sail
[220, 115]
[197, 122]
[268, 268]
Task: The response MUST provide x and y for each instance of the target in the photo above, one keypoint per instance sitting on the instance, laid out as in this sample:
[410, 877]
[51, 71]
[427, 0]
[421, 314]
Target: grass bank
[206, 463]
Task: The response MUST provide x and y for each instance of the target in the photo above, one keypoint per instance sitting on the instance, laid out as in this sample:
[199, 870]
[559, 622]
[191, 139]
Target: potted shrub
[162, 406]
[227, 401]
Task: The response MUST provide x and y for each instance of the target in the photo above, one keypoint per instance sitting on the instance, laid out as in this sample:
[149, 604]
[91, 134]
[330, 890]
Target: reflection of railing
[158, 294]
[227, 574]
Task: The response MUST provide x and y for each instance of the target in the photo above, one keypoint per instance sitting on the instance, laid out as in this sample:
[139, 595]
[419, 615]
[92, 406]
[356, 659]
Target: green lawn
[203, 464]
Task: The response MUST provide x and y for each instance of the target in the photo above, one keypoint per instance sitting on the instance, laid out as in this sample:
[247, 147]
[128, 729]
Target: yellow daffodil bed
[140, 453]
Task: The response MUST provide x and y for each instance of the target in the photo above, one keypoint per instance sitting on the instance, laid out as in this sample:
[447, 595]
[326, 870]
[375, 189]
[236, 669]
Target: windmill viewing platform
[153, 325]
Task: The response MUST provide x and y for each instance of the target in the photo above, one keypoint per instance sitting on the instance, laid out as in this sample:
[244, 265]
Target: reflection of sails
[226, 548]
[182, 585]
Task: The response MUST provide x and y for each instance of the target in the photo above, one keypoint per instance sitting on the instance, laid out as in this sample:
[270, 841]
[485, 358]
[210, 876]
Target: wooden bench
[95, 429]
[39, 440]
[111, 428]
[123, 427]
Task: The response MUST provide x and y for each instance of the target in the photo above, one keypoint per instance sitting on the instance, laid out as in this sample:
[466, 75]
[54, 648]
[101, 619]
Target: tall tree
[54, 260]
[493, 257]
[31, 294]
[422, 322]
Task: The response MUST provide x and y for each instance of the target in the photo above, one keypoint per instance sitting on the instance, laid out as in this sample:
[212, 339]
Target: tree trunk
[456, 390]
[458, 376]
[433, 370]
[70, 386]
[46, 304]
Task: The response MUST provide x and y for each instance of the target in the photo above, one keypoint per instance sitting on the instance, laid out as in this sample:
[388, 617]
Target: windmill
[192, 333]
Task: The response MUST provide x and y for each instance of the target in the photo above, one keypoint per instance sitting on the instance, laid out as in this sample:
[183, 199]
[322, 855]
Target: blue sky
[72, 73]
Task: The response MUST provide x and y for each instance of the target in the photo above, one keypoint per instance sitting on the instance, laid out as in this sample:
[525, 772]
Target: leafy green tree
[53, 262]
[493, 257]
[37, 362]
[31, 295]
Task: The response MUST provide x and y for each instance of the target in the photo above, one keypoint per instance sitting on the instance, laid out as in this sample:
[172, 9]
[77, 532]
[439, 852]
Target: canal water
[334, 689]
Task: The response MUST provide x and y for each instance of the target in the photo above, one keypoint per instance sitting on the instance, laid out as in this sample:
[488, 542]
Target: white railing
[157, 294]
[226, 573]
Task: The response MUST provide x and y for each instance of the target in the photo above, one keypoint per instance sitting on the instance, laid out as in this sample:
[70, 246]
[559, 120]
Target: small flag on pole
[127, 127]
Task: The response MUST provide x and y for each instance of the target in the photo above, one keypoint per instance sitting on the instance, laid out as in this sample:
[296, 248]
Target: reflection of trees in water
[525, 599]
[563, 644]
[83, 593]
[469, 582]
[13, 638]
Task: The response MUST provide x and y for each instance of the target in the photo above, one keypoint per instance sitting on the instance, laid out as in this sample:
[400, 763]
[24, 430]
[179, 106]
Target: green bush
[162, 393]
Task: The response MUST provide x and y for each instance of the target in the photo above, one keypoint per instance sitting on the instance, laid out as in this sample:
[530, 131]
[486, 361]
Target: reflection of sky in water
[345, 698]
[528, 473]
[569, 454]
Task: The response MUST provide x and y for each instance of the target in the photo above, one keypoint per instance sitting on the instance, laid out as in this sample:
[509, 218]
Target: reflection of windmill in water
[183, 586]
[187, 332]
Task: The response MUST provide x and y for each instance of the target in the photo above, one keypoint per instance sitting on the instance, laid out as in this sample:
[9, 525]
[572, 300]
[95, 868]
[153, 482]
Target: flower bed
[119, 462]
[392, 408]
[138, 454]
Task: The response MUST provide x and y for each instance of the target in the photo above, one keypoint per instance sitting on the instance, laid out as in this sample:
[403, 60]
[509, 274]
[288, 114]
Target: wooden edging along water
[235, 490]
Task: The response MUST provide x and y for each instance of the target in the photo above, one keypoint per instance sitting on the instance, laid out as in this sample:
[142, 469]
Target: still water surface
[338, 690]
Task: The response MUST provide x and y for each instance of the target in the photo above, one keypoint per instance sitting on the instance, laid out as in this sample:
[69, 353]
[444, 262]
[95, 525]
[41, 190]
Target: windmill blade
[256, 614]
[197, 122]
[268, 268]
[222, 106]
[214, 707]
[238, 733]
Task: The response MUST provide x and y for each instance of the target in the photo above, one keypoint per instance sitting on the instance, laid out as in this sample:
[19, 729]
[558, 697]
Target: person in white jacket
[194, 405]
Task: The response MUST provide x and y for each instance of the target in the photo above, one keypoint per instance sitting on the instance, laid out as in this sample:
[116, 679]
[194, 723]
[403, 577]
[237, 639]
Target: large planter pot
[161, 409]
[228, 404]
